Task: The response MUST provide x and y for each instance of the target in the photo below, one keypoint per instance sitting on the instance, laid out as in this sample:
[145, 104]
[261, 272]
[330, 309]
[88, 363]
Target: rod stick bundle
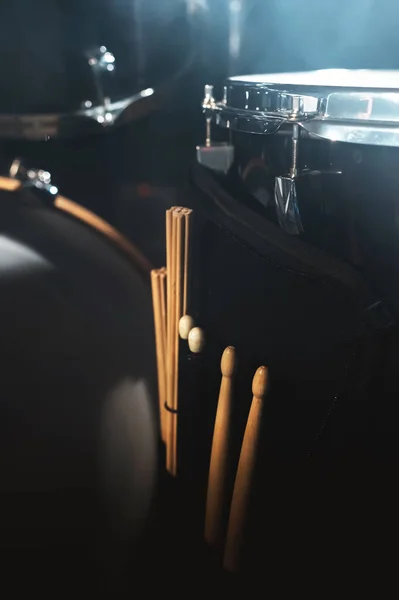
[163, 318]
[177, 249]
[157, 279]
[218, 469]
[245, 472]
[187, 216]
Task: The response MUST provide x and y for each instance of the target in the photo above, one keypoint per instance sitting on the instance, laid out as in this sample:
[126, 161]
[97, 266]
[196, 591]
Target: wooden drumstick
[186, 324]
[163, 314]
[217, 482]
[171, 318]
[245, 473]
[187, 225]
[177, 246]
[156, 299]
[196, 340]
[176, 308]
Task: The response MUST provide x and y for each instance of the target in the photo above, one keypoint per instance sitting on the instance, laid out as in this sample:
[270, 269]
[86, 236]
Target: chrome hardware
[89, 119]
[356, 106]
[101, 62]
[37, 178]
[216, 156]
[208, 105]
[285, 195]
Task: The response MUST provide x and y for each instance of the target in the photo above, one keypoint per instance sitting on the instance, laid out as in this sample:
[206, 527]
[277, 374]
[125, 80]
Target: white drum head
[362, 78]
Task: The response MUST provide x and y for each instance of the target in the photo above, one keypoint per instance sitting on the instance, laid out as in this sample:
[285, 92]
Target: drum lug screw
[285, 193]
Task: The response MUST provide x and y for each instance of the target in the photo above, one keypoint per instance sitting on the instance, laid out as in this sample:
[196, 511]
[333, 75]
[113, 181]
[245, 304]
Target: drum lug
[285, 195]
[216, 156]
[33, 178]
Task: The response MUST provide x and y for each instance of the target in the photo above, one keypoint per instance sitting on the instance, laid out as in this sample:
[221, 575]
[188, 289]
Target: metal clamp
[36, 178]
[216, 156]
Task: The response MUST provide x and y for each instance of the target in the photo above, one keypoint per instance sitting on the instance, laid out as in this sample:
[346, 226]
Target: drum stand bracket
[215, 156]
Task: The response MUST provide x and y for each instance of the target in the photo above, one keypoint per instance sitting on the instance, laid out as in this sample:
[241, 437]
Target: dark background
[133, 172]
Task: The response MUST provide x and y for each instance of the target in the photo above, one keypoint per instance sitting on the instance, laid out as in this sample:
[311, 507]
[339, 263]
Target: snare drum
[316, 153]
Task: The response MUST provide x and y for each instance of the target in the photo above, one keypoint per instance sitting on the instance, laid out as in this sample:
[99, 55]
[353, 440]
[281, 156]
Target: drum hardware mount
[216, 156]
[285, 195]
[94, 115]
[33, 178]
[101, 62]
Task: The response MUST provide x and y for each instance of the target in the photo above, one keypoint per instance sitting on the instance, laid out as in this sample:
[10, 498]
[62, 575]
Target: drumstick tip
[227, 363]
[186, 324]
[196, 340]
[259, 382]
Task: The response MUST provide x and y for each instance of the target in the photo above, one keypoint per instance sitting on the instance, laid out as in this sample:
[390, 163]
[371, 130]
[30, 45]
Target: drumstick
[163, 314]
[217, 482]
[162, 299]
[168, 270]
[174, 301]
[177, 247]
[178, 216]
[156, 299]
[187, 218]
[245, 473]
[176, 308]
[171, 313]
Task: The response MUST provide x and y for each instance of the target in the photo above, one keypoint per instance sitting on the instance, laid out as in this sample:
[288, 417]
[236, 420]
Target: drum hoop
[362, 116]
[89, 218]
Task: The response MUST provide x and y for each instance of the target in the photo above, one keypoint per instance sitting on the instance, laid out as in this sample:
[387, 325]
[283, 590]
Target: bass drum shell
[78, 425]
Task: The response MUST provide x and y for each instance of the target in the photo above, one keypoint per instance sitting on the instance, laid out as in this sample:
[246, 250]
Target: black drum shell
[78, 415]
[347, 197]
[330, 412]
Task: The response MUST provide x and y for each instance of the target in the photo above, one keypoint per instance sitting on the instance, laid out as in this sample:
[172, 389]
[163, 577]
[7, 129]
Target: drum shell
[346, 194]
[272, 308]
[78, 420]
[300, 314]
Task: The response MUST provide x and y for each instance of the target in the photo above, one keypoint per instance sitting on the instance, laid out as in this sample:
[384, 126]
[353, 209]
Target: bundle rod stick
[187, 224]
[171, 458]
[168, 267]
[178, 305]
[169, 383]
[177, 245]
[163, 315]
[245, 473]
[218, 469]
[156, 299]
